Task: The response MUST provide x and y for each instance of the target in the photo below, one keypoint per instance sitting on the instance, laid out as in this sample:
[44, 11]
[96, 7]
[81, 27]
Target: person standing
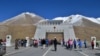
[16, 44]
[43, 43]
[80, 44]
[71, 44]
[74, 42]
[63, 42]
[55, 44]
[47, 42]
[92, 44]
[85, 44]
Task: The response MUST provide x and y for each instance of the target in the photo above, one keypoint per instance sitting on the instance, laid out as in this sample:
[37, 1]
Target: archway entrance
[58, 35]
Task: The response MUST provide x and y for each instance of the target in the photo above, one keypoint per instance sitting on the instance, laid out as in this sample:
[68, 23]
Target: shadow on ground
[97, 54]
[52, 50]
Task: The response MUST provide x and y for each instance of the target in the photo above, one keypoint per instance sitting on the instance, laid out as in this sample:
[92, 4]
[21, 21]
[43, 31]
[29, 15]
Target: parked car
[2, 49]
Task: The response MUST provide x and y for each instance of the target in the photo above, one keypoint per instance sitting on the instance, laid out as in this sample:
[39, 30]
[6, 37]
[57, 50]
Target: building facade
[54, 28]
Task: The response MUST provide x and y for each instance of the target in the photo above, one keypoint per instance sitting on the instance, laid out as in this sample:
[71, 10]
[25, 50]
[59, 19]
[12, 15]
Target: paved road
[61, 51]
[29, 51]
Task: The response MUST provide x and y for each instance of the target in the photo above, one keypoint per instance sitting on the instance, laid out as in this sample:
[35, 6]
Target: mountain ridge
[23, 18]
[29, 18]
[74, 18]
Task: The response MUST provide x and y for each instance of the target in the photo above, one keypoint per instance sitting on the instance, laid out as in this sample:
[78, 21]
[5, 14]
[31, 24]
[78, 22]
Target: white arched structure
[54, 26]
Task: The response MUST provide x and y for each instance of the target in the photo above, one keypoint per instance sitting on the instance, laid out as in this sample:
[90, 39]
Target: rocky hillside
[84, 27]
[87, 32]
[23, 19]
[20, 26]
[24, 25]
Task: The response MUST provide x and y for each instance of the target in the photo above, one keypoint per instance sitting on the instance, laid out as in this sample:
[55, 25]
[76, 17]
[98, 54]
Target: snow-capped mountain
[23, 18]
[61, 18]
[78, 19]
[31, 18]
[98, 19]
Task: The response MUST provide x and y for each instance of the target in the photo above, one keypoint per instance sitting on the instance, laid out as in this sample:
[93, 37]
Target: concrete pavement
[11, 50]
[61, 51]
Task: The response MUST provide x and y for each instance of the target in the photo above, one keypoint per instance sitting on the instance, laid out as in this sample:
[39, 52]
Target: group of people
[35, 43]
[40, 42]
[69, 44]
[20, 43]
[75, 43]
[78, 43]
[44, 43]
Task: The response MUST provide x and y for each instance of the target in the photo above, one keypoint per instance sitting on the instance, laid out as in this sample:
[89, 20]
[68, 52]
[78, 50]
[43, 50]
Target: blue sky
[49, 8]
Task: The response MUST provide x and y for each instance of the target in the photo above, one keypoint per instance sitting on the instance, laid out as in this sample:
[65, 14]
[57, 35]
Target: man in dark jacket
[43, 43]
[55, 44]
[16, 44]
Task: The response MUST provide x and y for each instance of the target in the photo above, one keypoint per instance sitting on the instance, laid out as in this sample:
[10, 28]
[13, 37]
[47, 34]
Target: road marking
[47, 51]
[82, 53]
[15, 52]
